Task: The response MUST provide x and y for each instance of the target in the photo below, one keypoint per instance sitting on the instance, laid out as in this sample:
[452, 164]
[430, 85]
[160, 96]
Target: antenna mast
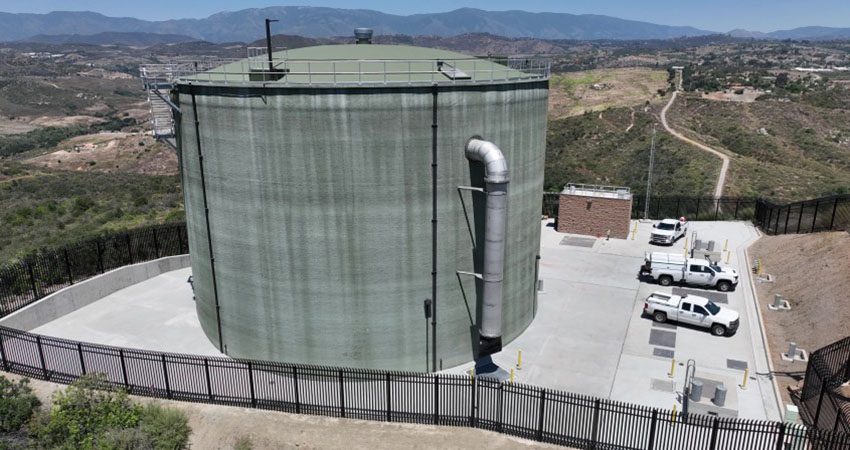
[649, 175]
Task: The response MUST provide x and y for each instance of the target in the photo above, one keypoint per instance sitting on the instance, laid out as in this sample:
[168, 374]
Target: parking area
[589, 335]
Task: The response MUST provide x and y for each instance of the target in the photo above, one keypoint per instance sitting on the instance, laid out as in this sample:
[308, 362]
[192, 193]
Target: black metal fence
[520, 410]
[47, 271]
[822, 402]
[821, 214]
[694, 208]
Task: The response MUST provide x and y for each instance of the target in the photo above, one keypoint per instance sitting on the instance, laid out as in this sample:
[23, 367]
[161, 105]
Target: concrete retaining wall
[89, 291]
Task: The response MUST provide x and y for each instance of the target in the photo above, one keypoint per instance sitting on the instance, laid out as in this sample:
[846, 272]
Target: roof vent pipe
[496, 178]
[363, 35]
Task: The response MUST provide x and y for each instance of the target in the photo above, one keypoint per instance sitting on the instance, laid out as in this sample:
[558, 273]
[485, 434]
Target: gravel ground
[218, 427]
[812, 272]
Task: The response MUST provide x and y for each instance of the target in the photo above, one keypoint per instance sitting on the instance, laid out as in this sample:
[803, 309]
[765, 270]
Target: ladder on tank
[158, 81]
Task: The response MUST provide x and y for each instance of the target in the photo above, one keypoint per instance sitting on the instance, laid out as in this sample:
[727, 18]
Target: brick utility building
[595, 210]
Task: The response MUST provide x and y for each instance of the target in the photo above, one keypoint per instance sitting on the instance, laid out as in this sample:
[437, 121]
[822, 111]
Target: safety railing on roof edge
[348, 72]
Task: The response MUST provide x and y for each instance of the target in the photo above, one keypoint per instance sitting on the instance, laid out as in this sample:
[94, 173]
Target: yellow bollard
[673, 414]
[519, 360]
[512, 375]
[472, 375]
[672, 371]
[726, 245]
[746, 377]
[634, 231]
[727, 256]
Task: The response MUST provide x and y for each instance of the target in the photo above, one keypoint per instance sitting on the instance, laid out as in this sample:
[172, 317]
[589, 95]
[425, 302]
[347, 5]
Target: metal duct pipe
[496, 178]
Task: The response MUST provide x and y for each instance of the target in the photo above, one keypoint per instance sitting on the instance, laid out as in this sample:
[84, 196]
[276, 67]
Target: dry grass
[572, 94]
[110, 152]
[812, 272]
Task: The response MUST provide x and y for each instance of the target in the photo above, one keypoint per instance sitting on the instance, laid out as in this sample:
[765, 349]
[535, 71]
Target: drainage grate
[662, 352]
[578, 241]
[716, 297]
[736, 364]
[662, 338]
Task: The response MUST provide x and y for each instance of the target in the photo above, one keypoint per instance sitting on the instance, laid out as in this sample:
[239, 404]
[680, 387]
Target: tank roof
[370, 64]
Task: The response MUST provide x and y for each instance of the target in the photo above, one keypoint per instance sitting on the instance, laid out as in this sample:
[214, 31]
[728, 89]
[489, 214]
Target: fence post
[737, 205]
[716, 208]
[180, 240]
[696, 216]
[165, 373]
[815, 215]
[832, 220]
[820, 403]
[341, 394]
[129, 249]
[540, 413]
[652, 427]
[501, 402]
[678, 201]
[251, 383]
[800, 217]
[715, 426]
[597, 405]
[82, 360]
[436, 399]
[3, 353]
[68, 265]
[778, 213]
[780, 440]
[99, 255]
[474, 406]
[32, 280]
[787, 217]
[769, 219]
[389, 400]
[124, 369]
[41, 357]
[297, 397]
[209, 383]
[155, 244]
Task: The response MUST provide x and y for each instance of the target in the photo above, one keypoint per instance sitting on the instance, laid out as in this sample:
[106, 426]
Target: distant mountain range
[247, 25]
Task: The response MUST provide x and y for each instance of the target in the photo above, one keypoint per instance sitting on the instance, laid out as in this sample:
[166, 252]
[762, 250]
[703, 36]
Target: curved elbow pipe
[496, 178]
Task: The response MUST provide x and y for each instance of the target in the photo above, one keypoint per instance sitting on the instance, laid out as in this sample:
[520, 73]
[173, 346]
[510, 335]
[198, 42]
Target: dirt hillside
[812, 272]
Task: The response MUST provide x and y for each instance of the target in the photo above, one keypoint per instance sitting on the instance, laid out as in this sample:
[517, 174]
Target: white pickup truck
[667, 268]
[693, 310]
[668, 231]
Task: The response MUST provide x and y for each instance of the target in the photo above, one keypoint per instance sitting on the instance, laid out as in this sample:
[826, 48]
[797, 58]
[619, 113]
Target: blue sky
[715, 15]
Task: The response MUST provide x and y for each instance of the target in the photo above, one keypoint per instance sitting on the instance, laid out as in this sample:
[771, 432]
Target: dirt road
[721, 178]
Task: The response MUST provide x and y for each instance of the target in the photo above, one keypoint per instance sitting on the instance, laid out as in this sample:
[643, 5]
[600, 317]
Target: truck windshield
[665, 226]
[712, 308]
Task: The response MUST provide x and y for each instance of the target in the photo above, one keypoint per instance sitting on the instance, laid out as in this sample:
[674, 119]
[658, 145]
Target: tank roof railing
[342, 72]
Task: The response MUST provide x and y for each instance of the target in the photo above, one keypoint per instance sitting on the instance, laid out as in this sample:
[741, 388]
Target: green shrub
[17, 404]
[84, 413]
[167, 429]
[243, 443]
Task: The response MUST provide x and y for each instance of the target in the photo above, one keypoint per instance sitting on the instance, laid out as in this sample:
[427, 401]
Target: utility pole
[269, 42]
[649, 175]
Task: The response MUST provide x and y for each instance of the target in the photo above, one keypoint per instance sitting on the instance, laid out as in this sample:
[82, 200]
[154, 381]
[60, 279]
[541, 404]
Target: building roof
[370, 64]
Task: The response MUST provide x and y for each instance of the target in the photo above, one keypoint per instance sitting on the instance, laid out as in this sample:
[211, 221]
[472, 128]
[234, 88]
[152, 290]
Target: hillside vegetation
[783, 150]
[39, 209]
[595, 148]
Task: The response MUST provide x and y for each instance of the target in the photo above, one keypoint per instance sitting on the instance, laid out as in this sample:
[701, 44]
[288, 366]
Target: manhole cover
[736, 364]
[662, 338]
[716, 297]
[662, 352]
[578, 241]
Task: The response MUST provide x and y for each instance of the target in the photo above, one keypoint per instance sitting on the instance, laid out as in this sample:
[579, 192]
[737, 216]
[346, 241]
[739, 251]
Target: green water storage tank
[309, 195]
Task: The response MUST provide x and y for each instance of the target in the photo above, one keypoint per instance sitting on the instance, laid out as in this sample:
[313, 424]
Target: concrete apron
[83, 293]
